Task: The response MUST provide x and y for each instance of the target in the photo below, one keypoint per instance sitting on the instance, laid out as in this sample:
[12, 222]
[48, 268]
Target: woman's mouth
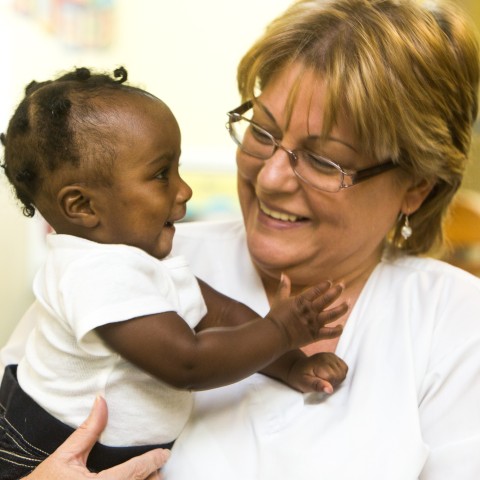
[284, 217]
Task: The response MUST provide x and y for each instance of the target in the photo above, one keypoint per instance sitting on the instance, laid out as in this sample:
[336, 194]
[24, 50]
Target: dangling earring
[406, 230]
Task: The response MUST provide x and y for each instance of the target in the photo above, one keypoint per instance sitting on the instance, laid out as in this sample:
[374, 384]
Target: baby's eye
[163, 174]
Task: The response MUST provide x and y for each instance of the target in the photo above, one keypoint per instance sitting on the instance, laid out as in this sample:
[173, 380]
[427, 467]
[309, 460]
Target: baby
[115, 314]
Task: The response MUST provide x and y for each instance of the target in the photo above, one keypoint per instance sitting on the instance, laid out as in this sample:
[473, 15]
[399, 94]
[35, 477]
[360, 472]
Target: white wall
[183, 51]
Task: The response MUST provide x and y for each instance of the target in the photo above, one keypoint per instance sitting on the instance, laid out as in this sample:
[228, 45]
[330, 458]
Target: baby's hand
[303, 318]
[321, 372]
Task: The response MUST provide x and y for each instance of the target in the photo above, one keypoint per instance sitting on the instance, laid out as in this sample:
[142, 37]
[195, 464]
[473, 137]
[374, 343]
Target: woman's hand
[69, 460]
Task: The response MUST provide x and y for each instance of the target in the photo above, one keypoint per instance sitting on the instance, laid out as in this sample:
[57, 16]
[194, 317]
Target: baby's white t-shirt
[82, 286]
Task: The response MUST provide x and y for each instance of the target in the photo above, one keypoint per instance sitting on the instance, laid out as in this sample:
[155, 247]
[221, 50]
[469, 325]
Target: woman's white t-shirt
[409, 408]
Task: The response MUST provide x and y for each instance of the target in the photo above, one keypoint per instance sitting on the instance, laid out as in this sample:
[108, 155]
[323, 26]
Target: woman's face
[307, 233]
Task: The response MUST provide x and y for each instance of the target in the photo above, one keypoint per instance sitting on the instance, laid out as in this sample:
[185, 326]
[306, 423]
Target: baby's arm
[319, 372]
[165, 346]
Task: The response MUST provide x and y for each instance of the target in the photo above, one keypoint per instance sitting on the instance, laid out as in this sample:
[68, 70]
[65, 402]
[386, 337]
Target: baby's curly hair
[58, 123]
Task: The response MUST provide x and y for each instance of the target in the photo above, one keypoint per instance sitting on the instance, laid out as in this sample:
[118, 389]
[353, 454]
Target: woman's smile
[278, 215]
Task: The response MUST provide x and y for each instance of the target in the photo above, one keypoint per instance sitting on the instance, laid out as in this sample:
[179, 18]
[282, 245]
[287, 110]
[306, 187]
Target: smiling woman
[332, 88]
[323, 222]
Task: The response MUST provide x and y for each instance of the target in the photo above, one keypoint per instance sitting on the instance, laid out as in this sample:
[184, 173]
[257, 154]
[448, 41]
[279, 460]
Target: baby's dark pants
[29, 434]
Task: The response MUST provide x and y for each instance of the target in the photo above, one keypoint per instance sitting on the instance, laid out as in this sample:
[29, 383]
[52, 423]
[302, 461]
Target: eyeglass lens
[317, 171]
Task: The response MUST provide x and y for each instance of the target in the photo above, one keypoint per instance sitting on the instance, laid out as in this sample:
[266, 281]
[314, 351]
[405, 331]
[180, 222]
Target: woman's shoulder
[438, 301]
[209, 230]
[217, 253]
[209, 238]
[430, 287]
[429, 270]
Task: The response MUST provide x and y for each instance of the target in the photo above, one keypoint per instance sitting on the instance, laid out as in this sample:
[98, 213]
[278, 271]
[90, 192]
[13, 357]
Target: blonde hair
[406, 75]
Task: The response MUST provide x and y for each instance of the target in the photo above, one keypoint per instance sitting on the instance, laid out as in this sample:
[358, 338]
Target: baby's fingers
[318, 290]
[323, 298]
[326, 333]
[328, 316]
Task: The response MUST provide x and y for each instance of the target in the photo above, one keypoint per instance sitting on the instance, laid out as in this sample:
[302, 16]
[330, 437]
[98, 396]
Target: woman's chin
[268, 254]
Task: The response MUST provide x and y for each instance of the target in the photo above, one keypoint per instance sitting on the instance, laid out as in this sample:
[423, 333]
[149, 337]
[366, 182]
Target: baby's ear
[75, 205]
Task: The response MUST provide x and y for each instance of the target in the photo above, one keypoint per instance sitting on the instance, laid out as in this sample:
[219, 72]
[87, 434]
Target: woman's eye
[319, 163]
[260, 135]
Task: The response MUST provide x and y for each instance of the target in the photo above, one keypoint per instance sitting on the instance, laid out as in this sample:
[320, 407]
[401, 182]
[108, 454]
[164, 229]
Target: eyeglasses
[319, 172]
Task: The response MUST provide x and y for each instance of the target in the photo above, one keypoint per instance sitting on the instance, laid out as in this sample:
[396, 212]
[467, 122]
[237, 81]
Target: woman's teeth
[285, 217]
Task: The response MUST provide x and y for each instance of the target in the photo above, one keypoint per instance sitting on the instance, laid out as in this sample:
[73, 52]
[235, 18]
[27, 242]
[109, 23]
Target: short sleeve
[113, 287]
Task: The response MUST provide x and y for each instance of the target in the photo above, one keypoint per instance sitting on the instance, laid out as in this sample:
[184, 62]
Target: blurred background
[183, 51]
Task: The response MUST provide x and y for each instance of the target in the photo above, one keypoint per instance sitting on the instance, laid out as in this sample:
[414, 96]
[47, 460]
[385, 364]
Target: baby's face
[147, 195]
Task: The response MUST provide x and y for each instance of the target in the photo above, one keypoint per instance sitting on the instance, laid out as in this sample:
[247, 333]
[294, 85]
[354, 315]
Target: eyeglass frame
[355, 176]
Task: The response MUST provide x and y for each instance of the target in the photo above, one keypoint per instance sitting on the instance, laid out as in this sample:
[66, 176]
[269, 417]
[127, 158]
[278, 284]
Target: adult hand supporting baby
[70, 459]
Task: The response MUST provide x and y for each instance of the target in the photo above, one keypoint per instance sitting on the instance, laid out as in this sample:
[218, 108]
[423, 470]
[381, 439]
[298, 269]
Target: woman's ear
[415, 195]
[76, 206]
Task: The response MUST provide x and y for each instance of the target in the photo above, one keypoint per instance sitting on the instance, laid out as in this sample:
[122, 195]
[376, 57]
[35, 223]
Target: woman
[352, 139]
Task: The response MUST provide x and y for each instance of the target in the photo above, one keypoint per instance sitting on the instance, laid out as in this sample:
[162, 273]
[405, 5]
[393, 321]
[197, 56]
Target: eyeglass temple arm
[244, 107]
[367, 173]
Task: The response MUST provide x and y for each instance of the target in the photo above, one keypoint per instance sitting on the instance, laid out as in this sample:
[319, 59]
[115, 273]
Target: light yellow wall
[14, 262]
[184, 51]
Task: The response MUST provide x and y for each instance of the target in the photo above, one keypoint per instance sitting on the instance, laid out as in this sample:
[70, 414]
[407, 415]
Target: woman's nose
[276, 173]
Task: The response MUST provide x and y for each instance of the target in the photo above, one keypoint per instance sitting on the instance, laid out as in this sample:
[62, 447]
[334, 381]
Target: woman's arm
[166, 347]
